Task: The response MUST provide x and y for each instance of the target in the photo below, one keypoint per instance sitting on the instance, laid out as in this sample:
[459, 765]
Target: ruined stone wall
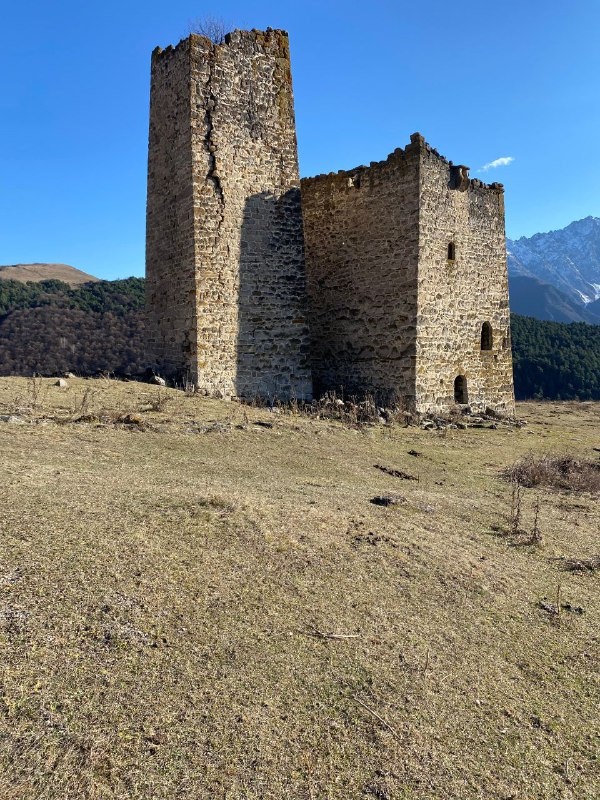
[361, 237]
[456, 296]
[170, 250]
[249, 334]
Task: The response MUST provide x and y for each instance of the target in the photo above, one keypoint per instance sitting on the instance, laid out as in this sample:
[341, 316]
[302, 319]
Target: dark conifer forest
[555, 360]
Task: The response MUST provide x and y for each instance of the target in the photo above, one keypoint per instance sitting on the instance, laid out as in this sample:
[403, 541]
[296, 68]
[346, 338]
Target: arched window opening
[460, 390]
[486, 336]
[451, 251]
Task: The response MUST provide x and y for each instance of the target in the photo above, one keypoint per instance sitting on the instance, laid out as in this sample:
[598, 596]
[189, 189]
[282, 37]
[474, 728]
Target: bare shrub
[33, 397]
[516, 501]
[556, 472]
[212, 28]
[536, 533]
[34, 386]
[83, 405]
[159, 401]
[189, 387]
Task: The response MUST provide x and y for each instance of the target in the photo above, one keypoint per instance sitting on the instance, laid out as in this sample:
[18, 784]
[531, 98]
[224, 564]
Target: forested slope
[50, 328]
[556, 360]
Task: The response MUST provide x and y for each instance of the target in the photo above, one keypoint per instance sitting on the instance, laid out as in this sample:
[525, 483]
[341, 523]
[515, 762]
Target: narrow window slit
[486, 336]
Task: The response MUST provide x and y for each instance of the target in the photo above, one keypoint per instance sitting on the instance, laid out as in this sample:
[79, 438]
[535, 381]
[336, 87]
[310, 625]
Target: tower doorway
[460, 390]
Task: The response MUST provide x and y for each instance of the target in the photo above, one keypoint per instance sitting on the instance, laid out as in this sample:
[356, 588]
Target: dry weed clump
[353, 411]
[82, 406]
[157, 403]
[217, 503]
[32, 398]
[556, 472]
[520, 535]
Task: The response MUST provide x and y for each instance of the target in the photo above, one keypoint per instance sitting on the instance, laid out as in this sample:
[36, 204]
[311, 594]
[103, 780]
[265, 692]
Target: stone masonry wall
[361, 235]
[249, 334]
[170, 251]
[455, 297]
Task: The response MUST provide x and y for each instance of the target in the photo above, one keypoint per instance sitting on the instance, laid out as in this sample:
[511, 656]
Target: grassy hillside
[43, 272]
[199, 599]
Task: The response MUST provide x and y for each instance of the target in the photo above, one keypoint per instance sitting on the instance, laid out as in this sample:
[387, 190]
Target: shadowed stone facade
[405, 262]
[361, 230]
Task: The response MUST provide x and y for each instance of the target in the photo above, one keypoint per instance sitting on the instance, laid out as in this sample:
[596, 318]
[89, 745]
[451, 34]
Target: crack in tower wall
[212, 176]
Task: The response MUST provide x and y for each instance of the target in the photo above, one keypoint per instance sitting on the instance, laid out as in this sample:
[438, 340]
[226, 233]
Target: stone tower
[405, 262]
[226, 295]
[407, 280]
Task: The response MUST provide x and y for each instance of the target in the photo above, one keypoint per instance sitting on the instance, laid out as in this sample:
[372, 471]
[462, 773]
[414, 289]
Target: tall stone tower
[226, 296]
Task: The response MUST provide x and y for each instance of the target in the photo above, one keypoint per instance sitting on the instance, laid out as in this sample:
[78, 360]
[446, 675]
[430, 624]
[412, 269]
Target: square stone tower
[407, 279]
[226, 296]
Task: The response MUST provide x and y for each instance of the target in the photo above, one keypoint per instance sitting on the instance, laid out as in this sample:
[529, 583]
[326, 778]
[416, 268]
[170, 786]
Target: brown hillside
[45, 272]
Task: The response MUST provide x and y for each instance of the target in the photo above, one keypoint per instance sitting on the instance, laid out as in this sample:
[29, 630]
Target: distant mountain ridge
[531, 297]
[45, 272]
[567, 260]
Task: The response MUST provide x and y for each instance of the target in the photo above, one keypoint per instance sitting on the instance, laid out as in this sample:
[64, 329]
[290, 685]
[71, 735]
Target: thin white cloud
[497, 162]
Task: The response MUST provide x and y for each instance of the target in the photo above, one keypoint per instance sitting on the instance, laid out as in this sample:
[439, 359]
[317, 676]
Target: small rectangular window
[486, 336]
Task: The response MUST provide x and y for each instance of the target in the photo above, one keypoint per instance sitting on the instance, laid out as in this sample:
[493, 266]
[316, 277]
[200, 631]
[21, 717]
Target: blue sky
[481, 81]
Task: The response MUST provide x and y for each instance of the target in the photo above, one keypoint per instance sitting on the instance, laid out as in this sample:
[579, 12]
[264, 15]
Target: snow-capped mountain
[568, 260]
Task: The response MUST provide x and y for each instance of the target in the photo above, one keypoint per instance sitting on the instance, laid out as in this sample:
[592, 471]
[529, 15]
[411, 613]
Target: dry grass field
[199, 600]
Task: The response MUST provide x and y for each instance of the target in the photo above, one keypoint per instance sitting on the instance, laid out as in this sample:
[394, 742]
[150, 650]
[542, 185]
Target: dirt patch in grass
[396, 473]
[591, 564]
